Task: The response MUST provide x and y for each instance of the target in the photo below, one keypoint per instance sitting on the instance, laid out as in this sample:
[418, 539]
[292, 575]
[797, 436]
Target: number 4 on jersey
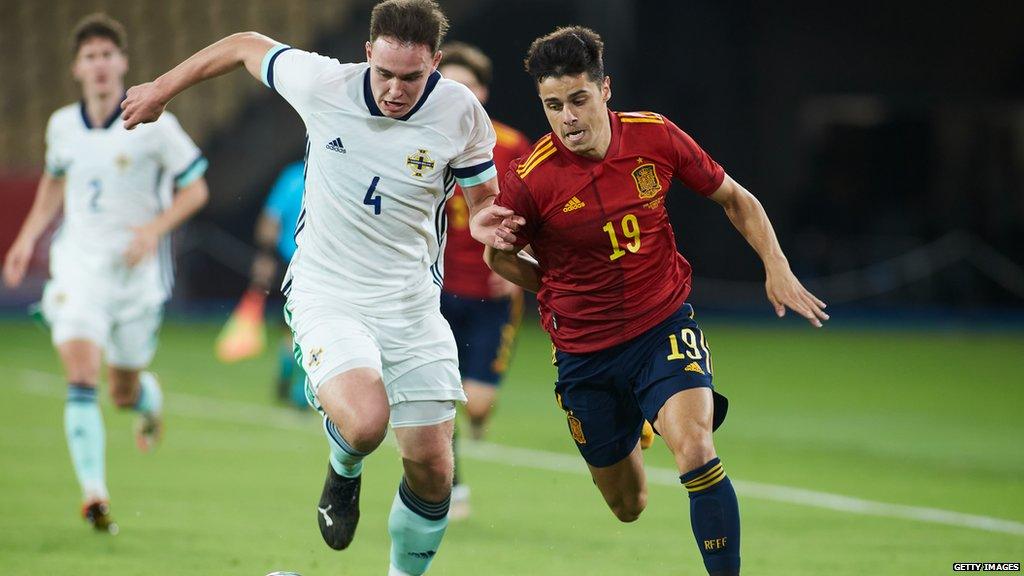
[370, 199]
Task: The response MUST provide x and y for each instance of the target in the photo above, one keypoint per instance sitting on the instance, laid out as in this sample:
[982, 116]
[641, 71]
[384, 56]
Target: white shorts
[416, 357]
[125, 330]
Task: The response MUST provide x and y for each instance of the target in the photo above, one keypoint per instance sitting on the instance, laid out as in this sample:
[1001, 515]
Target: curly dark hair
[568, 51]
[412, 21]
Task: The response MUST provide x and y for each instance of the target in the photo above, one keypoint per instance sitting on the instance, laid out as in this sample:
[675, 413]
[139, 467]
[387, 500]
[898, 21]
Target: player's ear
[369, 51]
[606, 88]
[437, 60]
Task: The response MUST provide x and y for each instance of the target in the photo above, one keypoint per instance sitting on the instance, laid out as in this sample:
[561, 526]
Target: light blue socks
[416, 527]
[151, 399]
[345, 459]
[83, 426]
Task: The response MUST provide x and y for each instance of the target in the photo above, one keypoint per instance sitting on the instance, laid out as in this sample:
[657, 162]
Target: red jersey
[600, 231]
[465, 273]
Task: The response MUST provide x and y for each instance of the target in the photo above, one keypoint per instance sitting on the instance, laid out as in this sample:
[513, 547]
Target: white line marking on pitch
[205, 408]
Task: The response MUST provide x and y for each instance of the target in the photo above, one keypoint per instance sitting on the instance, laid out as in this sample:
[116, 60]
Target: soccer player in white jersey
[110, 262]
[387, 141]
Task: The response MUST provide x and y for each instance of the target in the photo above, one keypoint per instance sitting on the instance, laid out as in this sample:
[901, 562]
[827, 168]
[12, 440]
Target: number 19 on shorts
[693, 348]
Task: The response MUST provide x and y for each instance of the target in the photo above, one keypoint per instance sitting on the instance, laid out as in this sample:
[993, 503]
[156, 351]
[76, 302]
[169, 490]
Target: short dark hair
[98, 25]
[412, 21]
[566, 51]
[469, 57]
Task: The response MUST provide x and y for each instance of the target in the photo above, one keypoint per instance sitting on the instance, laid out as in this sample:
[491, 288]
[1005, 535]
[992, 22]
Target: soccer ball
[284, 574]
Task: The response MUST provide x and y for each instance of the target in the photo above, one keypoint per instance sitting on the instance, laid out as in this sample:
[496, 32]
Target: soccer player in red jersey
[612, 288]
[483, 309]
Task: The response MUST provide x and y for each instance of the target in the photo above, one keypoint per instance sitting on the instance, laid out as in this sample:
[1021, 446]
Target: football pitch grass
[854, 451]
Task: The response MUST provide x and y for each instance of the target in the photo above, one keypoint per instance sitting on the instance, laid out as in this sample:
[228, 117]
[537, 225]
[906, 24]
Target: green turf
[906, 417]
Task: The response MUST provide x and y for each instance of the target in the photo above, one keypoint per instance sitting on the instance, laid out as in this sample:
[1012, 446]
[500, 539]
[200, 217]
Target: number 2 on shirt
[96, 188]
[370, 199]
[630, 229]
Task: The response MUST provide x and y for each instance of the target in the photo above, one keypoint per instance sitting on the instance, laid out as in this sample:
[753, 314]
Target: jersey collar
[371, 104]
[613, 145]
[108, 122]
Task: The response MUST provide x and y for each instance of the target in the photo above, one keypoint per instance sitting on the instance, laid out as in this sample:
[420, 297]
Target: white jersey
[371, 230]
[116, 179]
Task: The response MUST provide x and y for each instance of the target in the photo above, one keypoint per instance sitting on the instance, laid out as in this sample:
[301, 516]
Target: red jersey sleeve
[515, 195]
[693, 166]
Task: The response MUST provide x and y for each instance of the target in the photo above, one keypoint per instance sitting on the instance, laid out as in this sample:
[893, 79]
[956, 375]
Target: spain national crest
[420, 162]
[645, 176]
[576, 428]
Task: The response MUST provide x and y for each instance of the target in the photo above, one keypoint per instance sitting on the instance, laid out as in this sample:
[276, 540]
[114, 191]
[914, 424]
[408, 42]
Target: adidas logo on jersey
[336, 145]
[693, 367]
[573, 204]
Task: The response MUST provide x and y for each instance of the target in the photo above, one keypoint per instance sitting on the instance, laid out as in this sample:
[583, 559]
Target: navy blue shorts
[608, 394]
[485, 332]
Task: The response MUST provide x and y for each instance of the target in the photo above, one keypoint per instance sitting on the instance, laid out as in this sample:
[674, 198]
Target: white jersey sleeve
[475, 165]
[56, 166]
[179, 155]
[299, 76]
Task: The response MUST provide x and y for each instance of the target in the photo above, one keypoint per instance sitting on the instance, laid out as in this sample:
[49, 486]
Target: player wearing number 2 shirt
[612, 288]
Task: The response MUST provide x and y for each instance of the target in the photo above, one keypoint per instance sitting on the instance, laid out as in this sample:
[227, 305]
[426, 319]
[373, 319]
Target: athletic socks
[416, 527]
[83, 427]
[714, 517]
[346, 460]
[151, 399]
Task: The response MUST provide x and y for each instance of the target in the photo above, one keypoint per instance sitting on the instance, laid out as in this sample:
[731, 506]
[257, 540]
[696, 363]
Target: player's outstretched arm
[749, 217]
[187, 201]
[146, 102]
[515, 266]
[491, 225]
[48, 201]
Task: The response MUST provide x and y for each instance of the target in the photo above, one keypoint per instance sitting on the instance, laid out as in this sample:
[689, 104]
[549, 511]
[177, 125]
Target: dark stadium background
[886, 140]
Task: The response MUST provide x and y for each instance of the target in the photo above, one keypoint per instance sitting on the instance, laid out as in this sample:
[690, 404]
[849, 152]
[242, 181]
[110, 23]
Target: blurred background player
[613, 288]
[110, 263]
[483, 309]
[275, 242]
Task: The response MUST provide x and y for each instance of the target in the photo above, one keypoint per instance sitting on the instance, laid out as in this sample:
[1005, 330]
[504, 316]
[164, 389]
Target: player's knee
[629, 507]
[697, 449]
[363, 427]
[366, 435]
[478, 412]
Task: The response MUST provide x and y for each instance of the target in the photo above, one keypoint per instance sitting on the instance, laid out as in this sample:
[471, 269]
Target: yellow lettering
[616, 251]
[673, 344]
[630, 229]
[716, 544]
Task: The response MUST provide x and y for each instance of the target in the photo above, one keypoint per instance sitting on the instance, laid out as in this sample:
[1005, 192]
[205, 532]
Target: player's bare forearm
[491, 225]
[749, 218]
[48, 200]
[480, 196]
[512, 266]
[187, 201]
[264, 264]
[45, 207]
[145, 102]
